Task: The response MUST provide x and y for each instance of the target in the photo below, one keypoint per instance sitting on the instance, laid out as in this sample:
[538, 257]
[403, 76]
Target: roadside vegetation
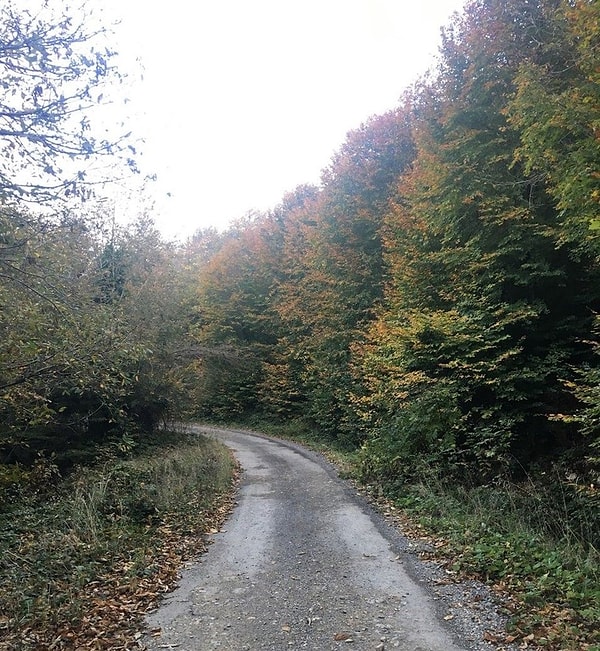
[430, 309]
[84, 557]
[536, 541]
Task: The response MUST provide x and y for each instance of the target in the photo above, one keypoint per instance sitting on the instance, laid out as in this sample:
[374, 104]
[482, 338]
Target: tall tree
[556, 108]
[486, 311]
[338, 276]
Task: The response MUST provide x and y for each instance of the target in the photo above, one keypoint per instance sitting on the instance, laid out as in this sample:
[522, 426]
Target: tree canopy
[431, 302]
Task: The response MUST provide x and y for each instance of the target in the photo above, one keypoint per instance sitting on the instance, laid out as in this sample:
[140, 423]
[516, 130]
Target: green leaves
[487, 306]
[556, 108]
[435, 296]
[83, 359]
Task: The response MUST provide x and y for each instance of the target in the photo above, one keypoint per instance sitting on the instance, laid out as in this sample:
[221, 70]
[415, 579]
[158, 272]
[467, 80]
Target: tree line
[433, 302]
[84, 309]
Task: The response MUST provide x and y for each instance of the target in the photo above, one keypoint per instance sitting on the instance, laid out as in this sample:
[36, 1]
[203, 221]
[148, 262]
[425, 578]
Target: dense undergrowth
[537, 540]
[81, 558]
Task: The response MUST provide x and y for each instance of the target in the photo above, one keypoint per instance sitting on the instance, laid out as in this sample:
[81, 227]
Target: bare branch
[52, 74]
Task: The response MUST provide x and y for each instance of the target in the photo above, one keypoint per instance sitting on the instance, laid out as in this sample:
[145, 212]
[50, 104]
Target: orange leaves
[94, 596]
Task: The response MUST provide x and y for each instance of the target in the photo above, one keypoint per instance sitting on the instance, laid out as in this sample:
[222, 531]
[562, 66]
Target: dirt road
[304, 563]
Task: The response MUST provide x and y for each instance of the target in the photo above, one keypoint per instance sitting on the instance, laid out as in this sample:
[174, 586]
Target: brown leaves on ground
[114, 604]
[555, 627]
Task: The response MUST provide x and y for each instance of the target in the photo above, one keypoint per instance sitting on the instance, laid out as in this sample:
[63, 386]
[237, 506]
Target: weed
[526, 539]
[101, 532]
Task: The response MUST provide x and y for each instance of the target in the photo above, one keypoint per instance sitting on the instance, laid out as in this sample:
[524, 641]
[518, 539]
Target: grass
[80, 559]
[83, 557]
[532, 541]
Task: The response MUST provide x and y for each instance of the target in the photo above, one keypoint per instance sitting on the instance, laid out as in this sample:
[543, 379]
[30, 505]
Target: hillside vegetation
[431, 308]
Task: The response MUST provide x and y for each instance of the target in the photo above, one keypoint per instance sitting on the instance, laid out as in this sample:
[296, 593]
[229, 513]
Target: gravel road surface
[305, 563]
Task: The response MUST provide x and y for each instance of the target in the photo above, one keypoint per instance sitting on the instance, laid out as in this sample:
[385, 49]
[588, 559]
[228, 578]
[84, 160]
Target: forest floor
[82, 559]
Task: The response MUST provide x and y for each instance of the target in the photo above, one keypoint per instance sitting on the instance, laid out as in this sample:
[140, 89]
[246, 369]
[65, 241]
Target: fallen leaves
[111, 607]
[550, 626]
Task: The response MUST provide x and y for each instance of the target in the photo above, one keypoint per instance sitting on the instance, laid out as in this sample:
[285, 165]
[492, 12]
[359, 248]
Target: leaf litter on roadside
[112, 605]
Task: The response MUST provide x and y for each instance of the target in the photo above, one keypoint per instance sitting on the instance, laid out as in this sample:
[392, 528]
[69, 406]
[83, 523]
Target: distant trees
[232, 321]
[288, 292]
[339, 273]
[434, 300]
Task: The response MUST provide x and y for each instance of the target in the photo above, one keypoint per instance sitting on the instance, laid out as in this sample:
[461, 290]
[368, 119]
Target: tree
[84, 360]
[233, 321]
[488, 308]
[53, 71]
[334, 268]
[556, 108]
[57, 346]
[67, 361]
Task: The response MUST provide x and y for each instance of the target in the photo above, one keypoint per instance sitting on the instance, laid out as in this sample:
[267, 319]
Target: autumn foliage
[434, 300]
[432, 304]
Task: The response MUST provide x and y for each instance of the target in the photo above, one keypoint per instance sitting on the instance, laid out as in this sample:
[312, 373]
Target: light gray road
[302, 563]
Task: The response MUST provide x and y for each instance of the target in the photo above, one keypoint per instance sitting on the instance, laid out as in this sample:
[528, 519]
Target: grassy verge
[536, 542]
[525, 540]
[82, 559]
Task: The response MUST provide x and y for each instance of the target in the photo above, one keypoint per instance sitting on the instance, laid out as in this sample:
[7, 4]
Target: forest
[430, 308]
[434, 302]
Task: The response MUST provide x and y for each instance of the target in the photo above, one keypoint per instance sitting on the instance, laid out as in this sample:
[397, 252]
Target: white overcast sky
[243, 100]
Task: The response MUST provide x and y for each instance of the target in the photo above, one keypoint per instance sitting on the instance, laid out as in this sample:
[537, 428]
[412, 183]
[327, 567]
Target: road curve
[302, 563]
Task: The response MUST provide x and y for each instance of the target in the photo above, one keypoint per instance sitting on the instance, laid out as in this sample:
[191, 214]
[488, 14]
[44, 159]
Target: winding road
[302, 563]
